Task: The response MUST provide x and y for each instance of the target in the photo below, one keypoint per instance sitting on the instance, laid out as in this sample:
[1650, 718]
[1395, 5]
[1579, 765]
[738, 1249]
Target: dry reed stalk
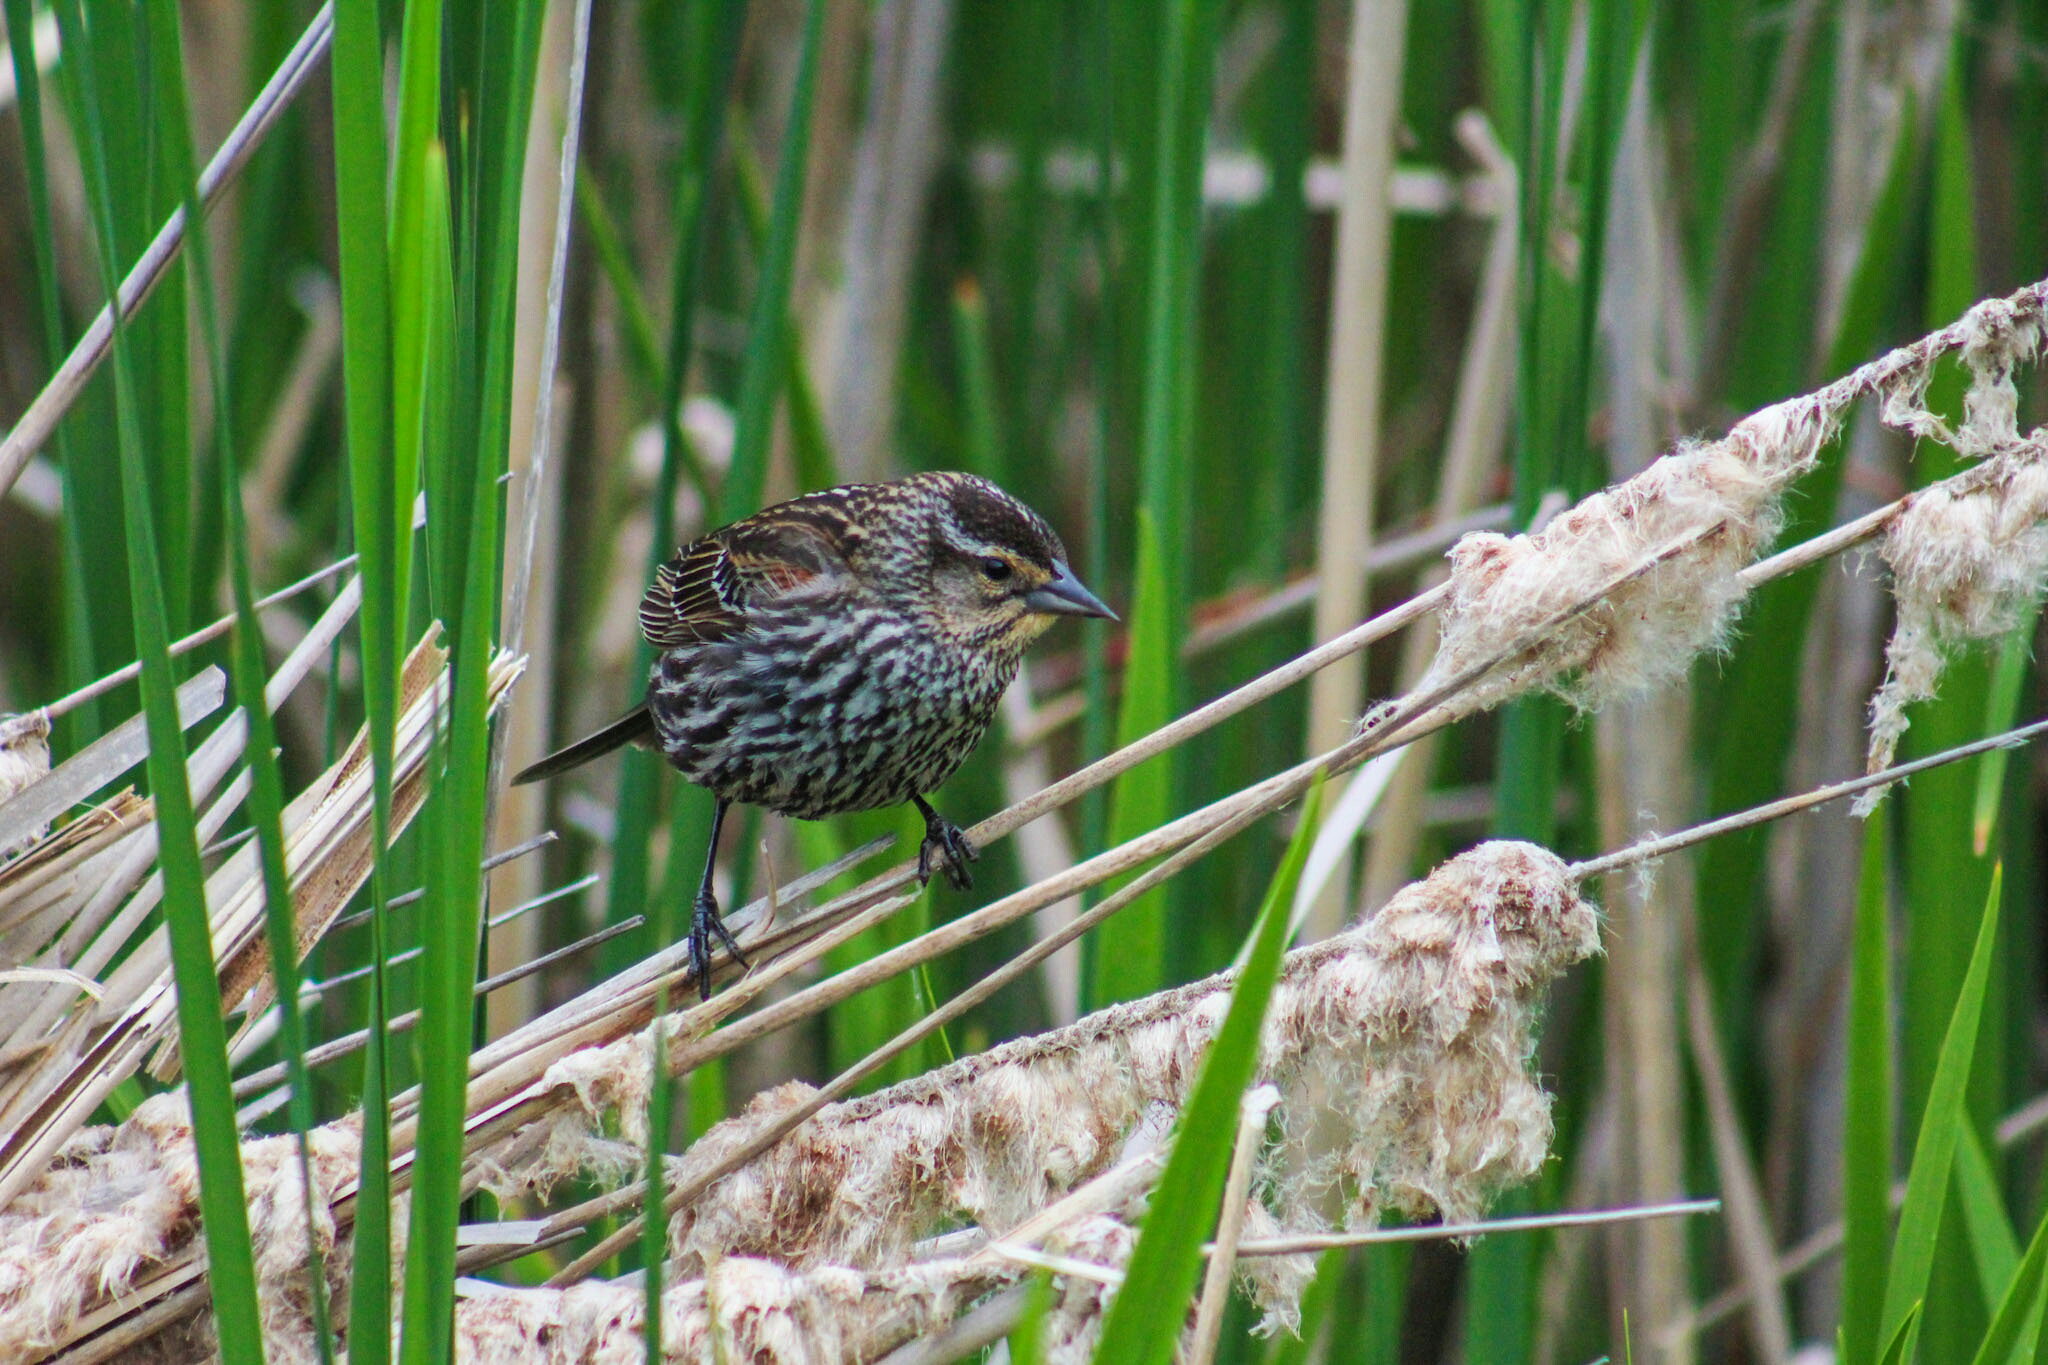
[1748, 1215]
[113, 895]
[1472, 452]
[1351, 413]
[1642, 779]
[895, 155]
[1645, 775]
[40, 888]
[542, 272]
[1253, 1111]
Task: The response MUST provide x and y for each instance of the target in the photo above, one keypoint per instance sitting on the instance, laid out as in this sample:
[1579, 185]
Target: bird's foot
[704, 923]
[942, 838]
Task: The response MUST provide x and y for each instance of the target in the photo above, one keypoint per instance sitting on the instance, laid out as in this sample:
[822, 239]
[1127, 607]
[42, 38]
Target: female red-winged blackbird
[838, 652]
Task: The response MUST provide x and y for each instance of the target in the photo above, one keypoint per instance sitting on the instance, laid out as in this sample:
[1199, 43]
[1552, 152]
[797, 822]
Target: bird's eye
[996, 570]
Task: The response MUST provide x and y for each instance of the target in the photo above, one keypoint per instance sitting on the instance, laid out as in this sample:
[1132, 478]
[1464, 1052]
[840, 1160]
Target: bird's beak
[1065, 596]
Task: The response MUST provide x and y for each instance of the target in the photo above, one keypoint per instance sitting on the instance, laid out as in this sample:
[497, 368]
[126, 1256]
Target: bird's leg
[704, 917]
[943, 836]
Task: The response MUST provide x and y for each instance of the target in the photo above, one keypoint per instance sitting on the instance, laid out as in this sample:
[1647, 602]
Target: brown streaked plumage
[839, 652]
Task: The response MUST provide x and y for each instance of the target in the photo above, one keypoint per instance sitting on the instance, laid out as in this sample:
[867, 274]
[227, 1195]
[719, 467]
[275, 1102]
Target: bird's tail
[635, 727]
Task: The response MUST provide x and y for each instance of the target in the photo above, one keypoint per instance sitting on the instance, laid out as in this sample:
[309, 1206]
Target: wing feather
[704, 593]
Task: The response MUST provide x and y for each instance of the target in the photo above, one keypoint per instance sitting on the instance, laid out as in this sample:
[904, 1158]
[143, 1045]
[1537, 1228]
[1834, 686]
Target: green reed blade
[1130, 952]
[1867, 1131]
[1149, 1312]
[1927, 1180]
[382, 527]
[266, 790]
[202, 1036]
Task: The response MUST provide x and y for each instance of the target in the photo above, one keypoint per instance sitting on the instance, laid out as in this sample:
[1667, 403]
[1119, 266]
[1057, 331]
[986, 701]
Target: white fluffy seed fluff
[614, 1079]
[24, 752]
[759, 1311]
[753, 1309]
[1657, 557]
[118, 1201]
[1508, 591]
[24, 758]
[1401, 1050]
[1968, 555]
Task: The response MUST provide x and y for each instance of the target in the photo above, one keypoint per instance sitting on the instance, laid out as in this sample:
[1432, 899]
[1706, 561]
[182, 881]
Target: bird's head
[992, 572]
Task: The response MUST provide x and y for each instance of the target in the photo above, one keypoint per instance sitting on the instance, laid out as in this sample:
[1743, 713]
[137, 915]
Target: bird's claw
[705, 922]
[943, 838]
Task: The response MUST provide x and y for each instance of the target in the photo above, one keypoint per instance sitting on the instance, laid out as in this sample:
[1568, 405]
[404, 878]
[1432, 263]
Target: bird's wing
[704, 593]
